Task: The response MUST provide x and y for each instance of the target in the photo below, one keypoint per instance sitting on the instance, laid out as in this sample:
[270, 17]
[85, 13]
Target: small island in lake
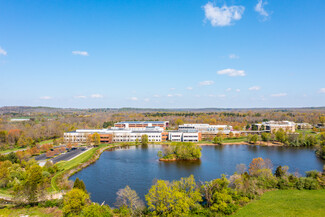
[180, 151]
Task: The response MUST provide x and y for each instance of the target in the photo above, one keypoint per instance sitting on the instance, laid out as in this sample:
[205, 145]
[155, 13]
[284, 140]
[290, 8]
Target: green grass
[67, 165]
[307, 132]
[45, 141]
[32, 211]
[233, 140]
[286, 203]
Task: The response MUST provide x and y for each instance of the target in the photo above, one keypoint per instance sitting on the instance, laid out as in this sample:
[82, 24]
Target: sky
[162, 54]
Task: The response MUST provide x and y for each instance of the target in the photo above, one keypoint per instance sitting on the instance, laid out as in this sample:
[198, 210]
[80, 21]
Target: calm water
[138, 167]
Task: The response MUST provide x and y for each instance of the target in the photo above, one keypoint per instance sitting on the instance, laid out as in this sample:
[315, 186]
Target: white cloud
[221, 95]
[279, 94]
[45, 97]
[3, 52]
[197, 95]
[237, 90]
[156, 95]
[170, 95]
[206, 83]
[222, 16]
[96, 96]
[134, 98]
[322, 90]
[259, 8]
[233, 56]
[80, 97]
[146, 100]
[178, 94]
[231, 72]
[82, 53]
[228, 89]
[254, 88]
[189, 88]
[173, 88]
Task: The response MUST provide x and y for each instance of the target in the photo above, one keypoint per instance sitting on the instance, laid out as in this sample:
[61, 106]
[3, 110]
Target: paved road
[68, 155]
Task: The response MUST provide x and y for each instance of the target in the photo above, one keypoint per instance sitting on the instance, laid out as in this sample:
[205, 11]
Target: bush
[307, 183]
[96, 210]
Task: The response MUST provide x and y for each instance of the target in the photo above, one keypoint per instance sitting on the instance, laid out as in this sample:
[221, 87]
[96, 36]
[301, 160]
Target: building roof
[141, 122]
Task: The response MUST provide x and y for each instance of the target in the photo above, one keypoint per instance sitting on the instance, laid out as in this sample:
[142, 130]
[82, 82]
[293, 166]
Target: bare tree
[129, 198]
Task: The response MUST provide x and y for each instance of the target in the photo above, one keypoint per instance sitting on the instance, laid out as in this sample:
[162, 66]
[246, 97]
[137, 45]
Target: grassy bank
[32, 211]
[77, 163]
[287, 203]
[68, 165]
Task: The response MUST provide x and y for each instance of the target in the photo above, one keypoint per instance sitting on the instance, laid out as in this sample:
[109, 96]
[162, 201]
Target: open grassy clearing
[287, 203]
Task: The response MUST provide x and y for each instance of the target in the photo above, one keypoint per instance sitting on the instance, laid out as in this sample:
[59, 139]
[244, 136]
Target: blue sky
[162, 54]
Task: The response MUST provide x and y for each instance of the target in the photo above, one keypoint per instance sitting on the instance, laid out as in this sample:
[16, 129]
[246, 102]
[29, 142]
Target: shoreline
[270, 144]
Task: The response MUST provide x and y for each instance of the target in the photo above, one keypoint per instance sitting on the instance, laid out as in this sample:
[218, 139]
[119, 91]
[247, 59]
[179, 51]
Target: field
[287, 203]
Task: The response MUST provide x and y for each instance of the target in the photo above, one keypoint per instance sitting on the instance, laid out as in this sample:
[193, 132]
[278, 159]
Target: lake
[138, 166]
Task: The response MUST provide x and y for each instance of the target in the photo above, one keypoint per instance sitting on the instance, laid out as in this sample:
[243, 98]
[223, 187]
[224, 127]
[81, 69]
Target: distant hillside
[48, 110]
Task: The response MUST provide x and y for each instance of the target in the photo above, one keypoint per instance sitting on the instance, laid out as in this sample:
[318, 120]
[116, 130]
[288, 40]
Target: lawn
[234, 140]
[287, 203]
[33, 211]
[67, 165]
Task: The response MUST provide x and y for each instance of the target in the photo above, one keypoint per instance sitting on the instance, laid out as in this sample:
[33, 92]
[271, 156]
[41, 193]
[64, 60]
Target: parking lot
[62, 157]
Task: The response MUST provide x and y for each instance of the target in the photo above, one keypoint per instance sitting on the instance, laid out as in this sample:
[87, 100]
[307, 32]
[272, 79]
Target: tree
[218, 140]
[3, 136]
[32, 189]
[179, 122]
[4, 173]
[127, 197]
[281, 171]
[266, 137]
[74, 201]
[281, 136]
[55, 142]
[97, 210]
[256, 165]
[79, 184]
[173, 199]
[96, 138]
[252, 138]
[144, 139]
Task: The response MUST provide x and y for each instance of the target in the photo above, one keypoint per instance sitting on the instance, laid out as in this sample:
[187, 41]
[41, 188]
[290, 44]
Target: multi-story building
[155, 134]
[184, 136]
[273, 126]
[302, 126]
[141, 125]
[206, 128]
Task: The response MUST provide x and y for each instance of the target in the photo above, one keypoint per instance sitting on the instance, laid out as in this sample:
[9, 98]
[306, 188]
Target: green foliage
[74, 201]
[266, 137]
[32, 188]
[281, 136]
[218, 140]
[97, 210]
[95, 138]
[107, 124]
[252, 138]
[182, 151]
[173, 199]
[79, 184]
[144, 139]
